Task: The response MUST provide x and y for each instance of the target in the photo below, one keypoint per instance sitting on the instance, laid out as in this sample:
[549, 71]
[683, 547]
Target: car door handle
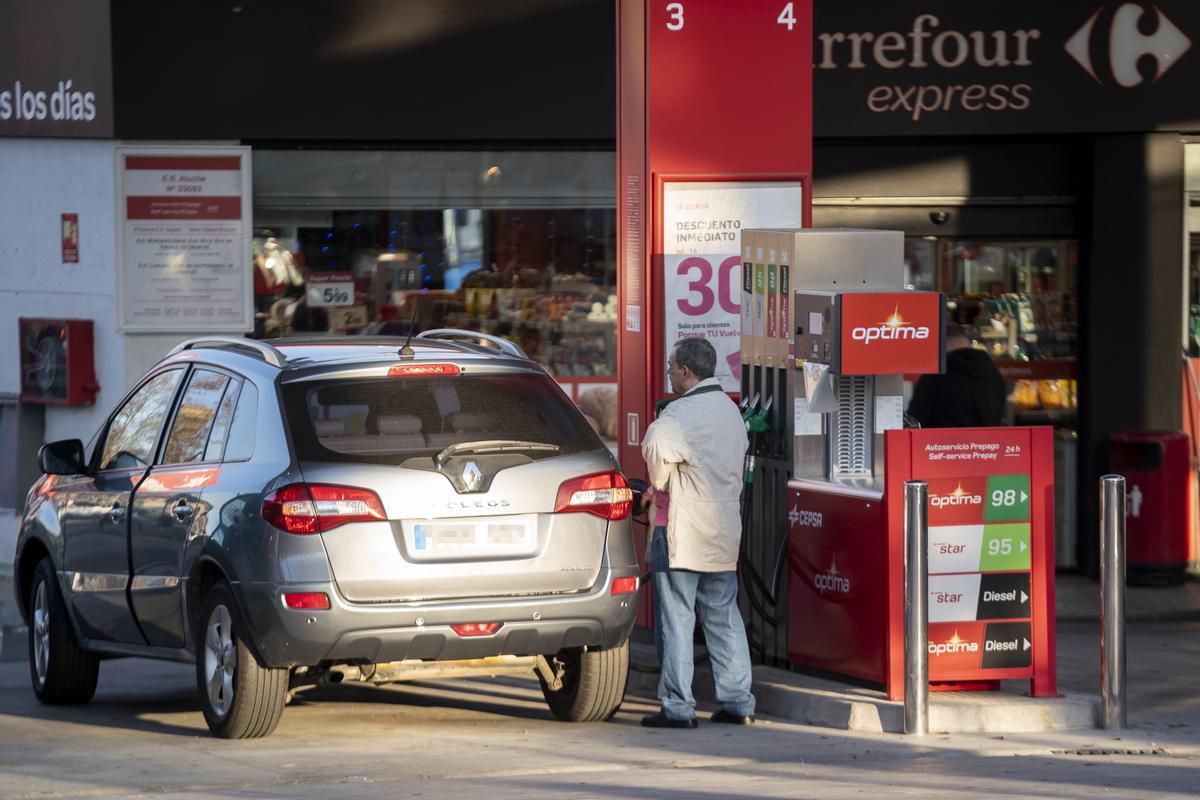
[116, 513]
[182, 510]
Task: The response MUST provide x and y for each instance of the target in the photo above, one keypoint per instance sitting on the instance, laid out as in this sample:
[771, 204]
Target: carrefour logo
[956, 498]
[1127, 45]
[894, 328]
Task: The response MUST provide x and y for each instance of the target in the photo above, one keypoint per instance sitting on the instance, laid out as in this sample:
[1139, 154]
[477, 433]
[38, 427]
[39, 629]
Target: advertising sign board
[891, 333]
[940, 67]
[55, 69]
[991, 550]
[184, 253]
[991, 563]
[702, 224]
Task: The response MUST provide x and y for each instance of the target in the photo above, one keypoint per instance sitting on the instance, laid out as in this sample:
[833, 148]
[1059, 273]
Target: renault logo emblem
[471, 476]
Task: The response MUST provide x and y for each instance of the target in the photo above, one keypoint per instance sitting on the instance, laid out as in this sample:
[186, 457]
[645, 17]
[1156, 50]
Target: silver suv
[308, 511]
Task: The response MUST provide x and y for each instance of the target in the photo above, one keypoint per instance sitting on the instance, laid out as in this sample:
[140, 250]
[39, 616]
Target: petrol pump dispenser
[856, 333]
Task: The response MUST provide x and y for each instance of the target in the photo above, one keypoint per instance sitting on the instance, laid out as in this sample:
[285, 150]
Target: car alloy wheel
[41, 633]
[220, 660]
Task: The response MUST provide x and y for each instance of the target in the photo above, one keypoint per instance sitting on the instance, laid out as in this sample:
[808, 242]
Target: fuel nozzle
[757, 426]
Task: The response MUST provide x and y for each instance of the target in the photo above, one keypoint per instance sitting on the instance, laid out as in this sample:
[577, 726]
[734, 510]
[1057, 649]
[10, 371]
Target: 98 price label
[1007, 499]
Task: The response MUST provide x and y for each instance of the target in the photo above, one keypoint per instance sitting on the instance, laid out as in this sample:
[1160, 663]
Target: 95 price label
[1007, 499]
[1006, 547]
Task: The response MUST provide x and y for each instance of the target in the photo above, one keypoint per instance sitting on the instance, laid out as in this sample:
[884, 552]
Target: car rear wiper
[492, 446]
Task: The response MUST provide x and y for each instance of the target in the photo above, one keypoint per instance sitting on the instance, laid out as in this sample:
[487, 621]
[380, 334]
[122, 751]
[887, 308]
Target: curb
[824, 703]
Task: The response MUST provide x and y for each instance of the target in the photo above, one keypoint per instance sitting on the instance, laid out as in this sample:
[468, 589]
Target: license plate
[511, 536]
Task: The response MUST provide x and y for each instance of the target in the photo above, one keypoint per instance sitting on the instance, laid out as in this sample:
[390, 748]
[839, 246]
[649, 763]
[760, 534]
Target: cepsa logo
[956, 498]
[890, 333]
[891, 329]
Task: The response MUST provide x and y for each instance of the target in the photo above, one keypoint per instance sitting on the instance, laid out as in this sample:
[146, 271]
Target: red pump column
[714, 134]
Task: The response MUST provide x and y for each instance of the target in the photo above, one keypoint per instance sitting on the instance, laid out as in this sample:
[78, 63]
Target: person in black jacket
[970, 394]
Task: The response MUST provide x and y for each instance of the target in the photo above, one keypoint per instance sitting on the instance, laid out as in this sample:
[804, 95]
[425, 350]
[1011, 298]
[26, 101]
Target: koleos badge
[471, 476]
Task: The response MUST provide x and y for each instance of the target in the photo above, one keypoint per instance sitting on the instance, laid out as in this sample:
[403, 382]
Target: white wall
[40, 179]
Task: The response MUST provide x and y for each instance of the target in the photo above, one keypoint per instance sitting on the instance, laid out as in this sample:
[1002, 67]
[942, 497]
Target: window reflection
[134, 430]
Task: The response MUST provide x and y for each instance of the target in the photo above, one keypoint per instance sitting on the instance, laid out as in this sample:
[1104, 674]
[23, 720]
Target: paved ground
[144, 735]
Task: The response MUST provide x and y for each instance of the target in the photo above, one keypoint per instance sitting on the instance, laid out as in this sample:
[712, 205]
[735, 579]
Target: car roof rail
[505, 346]
[266, 352]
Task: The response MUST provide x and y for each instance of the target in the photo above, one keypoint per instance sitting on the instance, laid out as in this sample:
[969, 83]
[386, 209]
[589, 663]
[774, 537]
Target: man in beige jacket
[694, 453]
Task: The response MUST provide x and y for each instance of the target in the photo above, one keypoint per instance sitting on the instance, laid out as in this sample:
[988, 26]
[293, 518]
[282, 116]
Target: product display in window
[543, 279]
[1017, 301]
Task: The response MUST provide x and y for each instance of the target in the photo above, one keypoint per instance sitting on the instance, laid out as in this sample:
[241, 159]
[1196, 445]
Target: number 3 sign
[702, 297]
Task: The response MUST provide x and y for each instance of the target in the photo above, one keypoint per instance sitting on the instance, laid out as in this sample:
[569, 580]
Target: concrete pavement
[143, 734]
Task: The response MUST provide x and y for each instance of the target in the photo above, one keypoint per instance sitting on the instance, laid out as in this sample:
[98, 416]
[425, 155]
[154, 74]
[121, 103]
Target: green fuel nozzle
[756, 426]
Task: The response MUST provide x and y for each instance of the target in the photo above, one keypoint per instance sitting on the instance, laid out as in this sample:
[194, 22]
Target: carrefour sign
[1024, 66]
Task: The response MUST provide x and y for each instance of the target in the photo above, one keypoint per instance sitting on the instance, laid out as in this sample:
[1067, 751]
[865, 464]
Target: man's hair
[698, 355]
[955, 331]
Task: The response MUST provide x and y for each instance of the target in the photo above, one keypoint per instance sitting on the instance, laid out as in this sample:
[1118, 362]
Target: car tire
[593, 684]
[241, 698]
[63, 673]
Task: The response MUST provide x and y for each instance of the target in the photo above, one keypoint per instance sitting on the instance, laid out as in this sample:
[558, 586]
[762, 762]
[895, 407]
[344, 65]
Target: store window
[1193, 267]
[1018, 301]
[520, 245]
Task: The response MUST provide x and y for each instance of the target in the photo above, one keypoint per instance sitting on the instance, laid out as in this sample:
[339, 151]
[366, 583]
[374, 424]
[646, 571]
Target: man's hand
[647, 501]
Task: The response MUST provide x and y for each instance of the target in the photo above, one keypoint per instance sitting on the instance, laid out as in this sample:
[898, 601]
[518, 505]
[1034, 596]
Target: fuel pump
[823, 409]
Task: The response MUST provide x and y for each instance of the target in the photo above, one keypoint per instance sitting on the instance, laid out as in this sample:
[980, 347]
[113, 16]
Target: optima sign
[890, 333]
[939, 67]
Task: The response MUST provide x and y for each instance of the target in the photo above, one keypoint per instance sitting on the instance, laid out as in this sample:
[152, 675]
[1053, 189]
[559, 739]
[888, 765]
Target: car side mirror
[63, 457]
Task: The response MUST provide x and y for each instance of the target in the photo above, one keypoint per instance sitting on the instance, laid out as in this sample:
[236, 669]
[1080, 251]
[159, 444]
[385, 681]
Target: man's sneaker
[721, 715]
[660, 720]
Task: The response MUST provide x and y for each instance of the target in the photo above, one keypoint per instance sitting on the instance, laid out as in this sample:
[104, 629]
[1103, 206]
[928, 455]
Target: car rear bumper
[374, 633]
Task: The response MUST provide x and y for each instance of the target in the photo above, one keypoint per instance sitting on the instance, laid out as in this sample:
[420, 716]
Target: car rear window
[388, 420]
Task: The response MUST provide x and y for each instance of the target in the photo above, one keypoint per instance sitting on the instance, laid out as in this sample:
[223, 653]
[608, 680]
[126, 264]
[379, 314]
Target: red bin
[1156, 467]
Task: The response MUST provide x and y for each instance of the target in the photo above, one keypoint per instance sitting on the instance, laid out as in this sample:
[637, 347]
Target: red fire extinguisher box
[57, 361]
[1155, 465]
[991, 563]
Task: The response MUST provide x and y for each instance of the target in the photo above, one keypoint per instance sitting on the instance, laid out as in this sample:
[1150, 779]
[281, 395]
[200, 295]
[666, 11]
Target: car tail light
[420, 370]
[605, 494]
[314, 508]
[308, 600]
[476, 628]
[625, 585]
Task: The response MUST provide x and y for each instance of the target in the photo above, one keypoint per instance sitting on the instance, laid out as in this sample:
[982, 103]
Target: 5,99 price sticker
[328, 289]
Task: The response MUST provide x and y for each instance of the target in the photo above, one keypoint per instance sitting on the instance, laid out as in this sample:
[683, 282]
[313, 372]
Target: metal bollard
[1112, 600]
[916, 607]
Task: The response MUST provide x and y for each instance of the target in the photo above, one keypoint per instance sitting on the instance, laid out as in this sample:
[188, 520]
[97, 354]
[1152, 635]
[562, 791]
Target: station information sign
[184, 244]
[991, 565]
